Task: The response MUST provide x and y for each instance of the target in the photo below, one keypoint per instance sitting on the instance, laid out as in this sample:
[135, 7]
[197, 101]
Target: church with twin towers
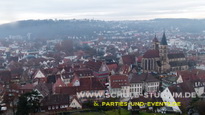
[158, 59]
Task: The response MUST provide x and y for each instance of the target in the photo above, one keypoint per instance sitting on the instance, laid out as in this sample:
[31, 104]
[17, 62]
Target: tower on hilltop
[163, 52]
[155, 43]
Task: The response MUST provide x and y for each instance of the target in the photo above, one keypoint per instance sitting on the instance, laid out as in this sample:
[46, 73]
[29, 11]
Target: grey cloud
[110, 9]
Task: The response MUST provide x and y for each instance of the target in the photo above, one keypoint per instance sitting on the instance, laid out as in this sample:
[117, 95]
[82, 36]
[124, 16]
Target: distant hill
[89, 28]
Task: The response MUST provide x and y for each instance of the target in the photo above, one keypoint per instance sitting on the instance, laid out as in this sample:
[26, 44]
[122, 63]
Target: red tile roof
[151, 54]
[15, 86]
[43, 89]
[183, 88]
[94, 65]
[59, 99]
[125, 69]
[39, 71]
[116, 81]
[192, 75]
[139, 59]
[5, 75]
[59, 83]
[112, 67]
[27, 86]
[73, 80]
[83, 72]
[128, 59]
[66, 90]
[86, 84]
[90, 84]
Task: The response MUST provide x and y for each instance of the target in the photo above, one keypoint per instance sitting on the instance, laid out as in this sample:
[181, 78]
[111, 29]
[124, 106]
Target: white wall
[167, 97]
[136, 89]
[75, 104]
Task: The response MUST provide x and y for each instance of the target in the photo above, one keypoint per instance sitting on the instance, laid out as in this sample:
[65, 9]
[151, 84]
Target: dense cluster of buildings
[114, 70]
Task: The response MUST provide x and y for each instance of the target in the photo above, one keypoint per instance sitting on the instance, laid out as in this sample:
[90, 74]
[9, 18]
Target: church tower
[155, 43]
[163, 54]
[163, 47]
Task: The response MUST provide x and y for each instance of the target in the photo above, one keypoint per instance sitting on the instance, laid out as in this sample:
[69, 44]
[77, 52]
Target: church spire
[164, 39]
[155, 43]
[155, 39]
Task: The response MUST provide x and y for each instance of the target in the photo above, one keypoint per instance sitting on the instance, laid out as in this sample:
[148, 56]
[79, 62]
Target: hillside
[91, 28]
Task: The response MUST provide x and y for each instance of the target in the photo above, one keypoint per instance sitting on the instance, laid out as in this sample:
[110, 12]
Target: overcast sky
[13, 10]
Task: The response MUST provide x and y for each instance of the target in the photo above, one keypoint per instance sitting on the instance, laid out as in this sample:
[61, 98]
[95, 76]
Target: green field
[112, 112]
[145, 113]
[117, 112]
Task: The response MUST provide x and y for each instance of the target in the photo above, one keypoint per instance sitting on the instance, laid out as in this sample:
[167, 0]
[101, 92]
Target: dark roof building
[144, 77]
[57, 102]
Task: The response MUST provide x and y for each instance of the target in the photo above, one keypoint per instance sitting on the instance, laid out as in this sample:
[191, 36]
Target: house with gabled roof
[75, 103]
[55, 103]
[170, 80]
[42, 89]
[119, 85]
[113, 67]
[127, 60]
[178, 93]
[58, 83]
[39, 76]
[90, 85]
[75, 81]
[143, 83]
[83, 73]
[124, 69]
[71, 91]
[196, 78]
[100, 70]
[26, 88]
[83, 86]
[10, 95]
[67, 77]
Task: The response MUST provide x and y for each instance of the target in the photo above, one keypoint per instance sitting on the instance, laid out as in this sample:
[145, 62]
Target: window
[145, 64]
[62, 106]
